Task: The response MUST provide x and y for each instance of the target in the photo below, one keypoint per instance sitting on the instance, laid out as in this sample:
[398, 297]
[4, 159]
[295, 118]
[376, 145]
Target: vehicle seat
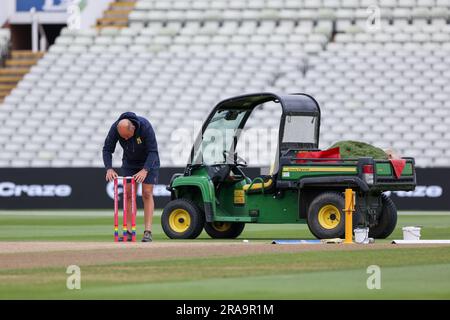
[218, 173]
[258, 183]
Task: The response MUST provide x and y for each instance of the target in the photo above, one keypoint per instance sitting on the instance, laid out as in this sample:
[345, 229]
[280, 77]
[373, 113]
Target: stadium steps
[19, 63]
[5, 89]
[16, 67]
[116, 15]
[26, 54]
[13, 71]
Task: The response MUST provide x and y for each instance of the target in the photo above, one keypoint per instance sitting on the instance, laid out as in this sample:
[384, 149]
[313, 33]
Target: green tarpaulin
[356, 149]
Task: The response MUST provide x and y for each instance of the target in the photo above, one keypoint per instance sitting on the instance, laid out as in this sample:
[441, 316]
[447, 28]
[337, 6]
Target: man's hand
[140, 176]
[111, 175]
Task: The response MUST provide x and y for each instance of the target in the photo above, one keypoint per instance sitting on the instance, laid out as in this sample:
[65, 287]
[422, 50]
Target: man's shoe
[147, 236]
[129, 237]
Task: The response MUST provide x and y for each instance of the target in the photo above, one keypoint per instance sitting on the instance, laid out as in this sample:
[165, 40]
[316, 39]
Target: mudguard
[206, 187]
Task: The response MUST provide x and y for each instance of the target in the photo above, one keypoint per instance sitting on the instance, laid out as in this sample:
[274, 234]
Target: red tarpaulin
[398, 165]
[330, 153]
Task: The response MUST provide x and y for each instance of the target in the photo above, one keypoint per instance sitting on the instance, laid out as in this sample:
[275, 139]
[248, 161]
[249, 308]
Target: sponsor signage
[86, 188]
[42, 5]
[432, 191]
[10, 189]
[72, 188]
[67, 188]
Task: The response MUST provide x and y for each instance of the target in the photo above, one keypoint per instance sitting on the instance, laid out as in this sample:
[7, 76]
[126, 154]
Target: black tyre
[224, 230]
[326, 216]
[182, 219]
[387, 221]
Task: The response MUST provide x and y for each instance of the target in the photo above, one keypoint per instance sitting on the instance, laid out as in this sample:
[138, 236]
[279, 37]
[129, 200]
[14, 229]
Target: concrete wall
[7, 8]
[93, 11]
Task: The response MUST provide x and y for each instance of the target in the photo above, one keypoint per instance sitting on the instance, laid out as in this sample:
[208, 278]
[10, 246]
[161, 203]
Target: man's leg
[149, 206]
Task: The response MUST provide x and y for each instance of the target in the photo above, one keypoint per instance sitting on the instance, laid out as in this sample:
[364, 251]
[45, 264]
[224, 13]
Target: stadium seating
[257, 10]
[86, 79]
[387, 86]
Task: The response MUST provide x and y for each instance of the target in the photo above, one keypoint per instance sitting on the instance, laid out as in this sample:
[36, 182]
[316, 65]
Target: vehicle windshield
[218, 137]
[300, 129]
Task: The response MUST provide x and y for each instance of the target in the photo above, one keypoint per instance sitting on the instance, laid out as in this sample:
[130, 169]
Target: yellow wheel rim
[221, 226]
[179, 220]
[329, 217]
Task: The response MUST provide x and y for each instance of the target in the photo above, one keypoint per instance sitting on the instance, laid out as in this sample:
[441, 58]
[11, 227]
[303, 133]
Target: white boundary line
[424, 213]
[420, 242]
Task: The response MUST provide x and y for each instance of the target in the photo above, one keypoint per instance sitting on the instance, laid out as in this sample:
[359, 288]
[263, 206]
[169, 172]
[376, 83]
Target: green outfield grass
[98, 226]
[407, 273]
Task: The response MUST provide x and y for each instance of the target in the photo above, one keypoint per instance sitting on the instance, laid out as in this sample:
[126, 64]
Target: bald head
[125, 128]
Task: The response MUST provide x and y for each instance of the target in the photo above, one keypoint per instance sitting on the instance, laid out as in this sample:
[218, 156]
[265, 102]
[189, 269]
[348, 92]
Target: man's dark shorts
[152, 175]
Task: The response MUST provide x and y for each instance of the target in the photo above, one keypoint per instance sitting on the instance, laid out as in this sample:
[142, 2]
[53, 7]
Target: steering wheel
[236, 159]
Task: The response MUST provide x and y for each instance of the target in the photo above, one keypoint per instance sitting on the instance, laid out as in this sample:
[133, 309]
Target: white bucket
[361, 235]
[411, 233]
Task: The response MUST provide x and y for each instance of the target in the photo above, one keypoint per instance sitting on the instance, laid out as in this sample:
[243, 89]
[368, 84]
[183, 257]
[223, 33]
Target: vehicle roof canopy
[298, 103]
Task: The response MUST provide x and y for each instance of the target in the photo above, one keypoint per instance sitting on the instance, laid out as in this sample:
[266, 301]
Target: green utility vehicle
[215, 194]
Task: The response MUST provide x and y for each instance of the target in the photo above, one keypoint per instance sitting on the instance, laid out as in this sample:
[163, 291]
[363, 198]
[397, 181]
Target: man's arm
[110, 146]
